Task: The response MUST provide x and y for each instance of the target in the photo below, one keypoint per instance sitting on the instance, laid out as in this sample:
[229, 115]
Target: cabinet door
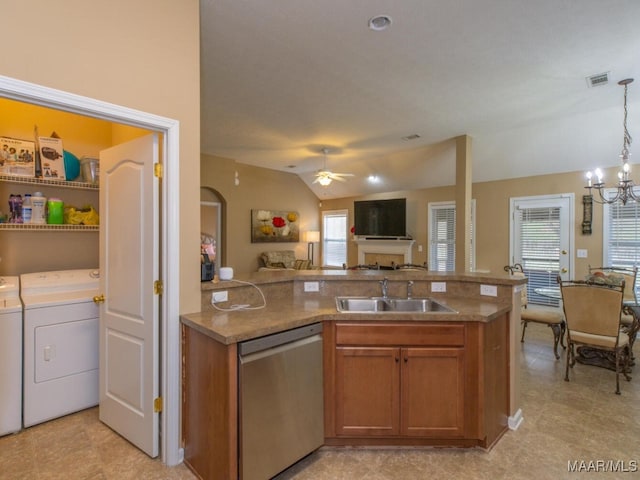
[432, 392]
[367, 382]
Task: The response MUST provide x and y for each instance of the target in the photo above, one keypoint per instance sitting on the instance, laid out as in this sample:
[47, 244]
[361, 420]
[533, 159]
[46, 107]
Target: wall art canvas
[268, 226]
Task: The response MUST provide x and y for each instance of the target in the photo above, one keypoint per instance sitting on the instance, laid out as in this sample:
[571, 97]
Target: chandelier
[625, 186]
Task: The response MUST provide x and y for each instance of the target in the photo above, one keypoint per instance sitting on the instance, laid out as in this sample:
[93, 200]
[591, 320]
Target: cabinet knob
[406, 359]
[98, 299]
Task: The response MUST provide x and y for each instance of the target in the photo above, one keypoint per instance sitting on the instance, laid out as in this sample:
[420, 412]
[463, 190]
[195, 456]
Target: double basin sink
[390, 304]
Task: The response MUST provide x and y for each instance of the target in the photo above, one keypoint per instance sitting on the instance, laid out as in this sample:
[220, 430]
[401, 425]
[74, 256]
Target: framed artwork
[268, 226]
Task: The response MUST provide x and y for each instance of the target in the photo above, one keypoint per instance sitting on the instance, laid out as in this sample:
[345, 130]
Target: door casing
[26, 92]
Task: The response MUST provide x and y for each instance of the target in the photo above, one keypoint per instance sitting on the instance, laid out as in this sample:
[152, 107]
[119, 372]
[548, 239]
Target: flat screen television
[381, 218]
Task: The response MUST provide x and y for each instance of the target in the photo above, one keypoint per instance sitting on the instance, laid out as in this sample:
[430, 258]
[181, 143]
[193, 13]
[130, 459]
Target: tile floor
[582, 420]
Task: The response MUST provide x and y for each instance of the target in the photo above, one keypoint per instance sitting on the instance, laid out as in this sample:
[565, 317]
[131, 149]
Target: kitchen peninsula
[390, 378]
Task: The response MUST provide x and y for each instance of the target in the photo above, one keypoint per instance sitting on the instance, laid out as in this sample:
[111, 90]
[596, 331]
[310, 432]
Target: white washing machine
[10, 356]
[60, 343]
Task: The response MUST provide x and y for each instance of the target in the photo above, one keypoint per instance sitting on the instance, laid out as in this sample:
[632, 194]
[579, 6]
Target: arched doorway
[212, 230]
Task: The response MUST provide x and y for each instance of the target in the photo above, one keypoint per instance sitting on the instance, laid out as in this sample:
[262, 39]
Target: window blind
[621, 236]
[539, 239]
[334, 239]
[443, 238]
[442, 251]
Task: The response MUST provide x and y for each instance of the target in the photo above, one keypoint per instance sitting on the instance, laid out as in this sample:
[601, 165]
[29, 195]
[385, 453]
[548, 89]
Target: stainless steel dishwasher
[281, 400]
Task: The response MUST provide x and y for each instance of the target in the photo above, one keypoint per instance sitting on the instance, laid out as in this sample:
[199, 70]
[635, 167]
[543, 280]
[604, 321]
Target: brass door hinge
[158, 287]
[158, 170]
[157, 404]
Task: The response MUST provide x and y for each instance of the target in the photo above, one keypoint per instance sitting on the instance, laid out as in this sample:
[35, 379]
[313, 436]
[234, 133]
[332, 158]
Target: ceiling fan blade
[342, 175]
[340, 179]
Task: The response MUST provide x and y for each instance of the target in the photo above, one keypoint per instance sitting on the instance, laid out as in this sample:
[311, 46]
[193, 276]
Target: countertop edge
[213, 324]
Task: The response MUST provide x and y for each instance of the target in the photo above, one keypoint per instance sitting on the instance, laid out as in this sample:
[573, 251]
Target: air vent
[411, 137]
[598, 80]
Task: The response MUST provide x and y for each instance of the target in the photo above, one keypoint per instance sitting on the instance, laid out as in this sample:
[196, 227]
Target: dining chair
[608, 274]
[554, 320]
[592, 312]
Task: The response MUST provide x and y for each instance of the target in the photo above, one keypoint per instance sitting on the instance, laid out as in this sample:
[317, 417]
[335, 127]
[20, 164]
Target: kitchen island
[419, 379]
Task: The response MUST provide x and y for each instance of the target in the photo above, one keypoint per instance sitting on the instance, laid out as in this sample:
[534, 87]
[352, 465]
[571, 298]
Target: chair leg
[627, 363]
[563, 329]
[617, 372]
[524, 327]
[569, 351]
[556, 338]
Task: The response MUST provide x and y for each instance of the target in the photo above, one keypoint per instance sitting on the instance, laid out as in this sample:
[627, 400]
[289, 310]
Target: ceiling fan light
[324, 181]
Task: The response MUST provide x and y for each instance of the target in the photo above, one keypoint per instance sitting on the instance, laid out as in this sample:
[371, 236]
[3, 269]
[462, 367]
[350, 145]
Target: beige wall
[492, 216]
[143, 55]
[258, 188]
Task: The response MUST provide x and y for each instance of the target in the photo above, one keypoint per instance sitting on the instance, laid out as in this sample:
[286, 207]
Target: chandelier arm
[625, 188]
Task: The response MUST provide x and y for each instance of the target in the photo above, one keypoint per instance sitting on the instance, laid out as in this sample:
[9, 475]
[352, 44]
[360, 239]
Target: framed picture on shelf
[269, 226]
[17, 157]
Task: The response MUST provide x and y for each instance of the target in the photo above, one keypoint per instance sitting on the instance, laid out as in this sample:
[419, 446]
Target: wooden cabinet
[416, 383]
[432, 392]
[367, 381]
[399, 391]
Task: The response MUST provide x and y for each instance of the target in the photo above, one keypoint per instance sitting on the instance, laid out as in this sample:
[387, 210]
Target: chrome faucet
[384, 284]
[409, 288]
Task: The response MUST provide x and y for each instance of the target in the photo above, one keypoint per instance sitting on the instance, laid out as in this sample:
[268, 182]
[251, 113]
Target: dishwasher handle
[277, 339]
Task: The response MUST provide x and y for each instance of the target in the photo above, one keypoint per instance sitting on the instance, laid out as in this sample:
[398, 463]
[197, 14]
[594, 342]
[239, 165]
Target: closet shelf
[48, 182]
[41, 227]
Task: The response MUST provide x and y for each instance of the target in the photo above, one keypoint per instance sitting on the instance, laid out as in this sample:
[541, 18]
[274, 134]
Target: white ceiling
[281, 79]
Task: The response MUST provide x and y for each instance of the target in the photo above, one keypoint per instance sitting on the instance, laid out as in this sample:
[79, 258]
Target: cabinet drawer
[383, 334]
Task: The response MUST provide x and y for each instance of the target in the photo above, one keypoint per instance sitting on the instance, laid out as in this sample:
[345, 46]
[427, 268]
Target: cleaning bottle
[26, 208]
[38, 208]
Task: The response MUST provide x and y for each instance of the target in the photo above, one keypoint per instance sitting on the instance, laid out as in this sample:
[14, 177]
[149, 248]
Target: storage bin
[90, 168]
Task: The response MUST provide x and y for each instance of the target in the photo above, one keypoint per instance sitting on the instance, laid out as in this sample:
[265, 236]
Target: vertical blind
[334, 239]
[539, 240]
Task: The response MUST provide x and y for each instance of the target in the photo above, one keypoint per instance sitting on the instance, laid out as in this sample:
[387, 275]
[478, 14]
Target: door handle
[564, 252]
[564, 270]
[98, 299]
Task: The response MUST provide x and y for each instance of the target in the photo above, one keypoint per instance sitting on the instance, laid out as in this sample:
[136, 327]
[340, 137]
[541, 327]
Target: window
[334, 238]
[442, 236]
[621, 233]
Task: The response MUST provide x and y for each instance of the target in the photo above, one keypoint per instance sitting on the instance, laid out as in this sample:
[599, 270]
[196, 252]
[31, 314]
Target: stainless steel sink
[390, 304]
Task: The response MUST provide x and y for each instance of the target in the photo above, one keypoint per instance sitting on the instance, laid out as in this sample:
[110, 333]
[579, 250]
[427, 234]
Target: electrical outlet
[582, 253]
[217, 297]
[489, 290]
[311, 286]
[438, 286]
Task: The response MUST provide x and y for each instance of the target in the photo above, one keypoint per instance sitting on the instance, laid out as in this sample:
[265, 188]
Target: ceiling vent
[414, 136]
[598, 80]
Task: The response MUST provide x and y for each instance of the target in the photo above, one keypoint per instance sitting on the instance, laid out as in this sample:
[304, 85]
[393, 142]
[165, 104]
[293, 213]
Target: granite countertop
[240, 325]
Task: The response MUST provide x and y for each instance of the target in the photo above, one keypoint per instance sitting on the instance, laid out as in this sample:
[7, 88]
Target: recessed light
[373, 179]
[380, 22]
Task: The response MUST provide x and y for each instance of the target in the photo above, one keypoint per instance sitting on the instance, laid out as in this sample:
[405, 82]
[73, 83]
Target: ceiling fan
[324, 176]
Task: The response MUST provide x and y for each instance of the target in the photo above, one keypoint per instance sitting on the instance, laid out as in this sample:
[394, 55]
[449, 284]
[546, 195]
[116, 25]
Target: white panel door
[129, 253]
